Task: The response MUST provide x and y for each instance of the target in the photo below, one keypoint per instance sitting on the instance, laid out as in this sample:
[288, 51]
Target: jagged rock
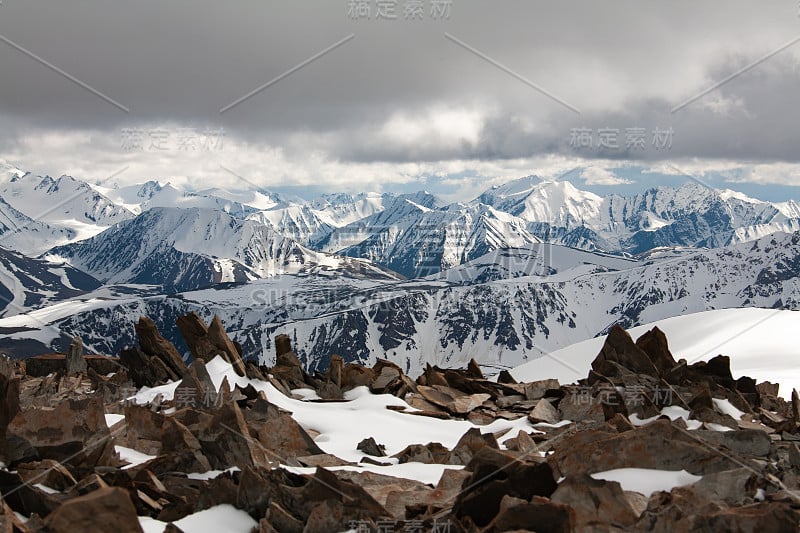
[544, 412]
[658, 445]
[522, 443]
[619, 348]
[654, 344]
[519, 515]
[207, 342]
[688, 509]
[287, 367]
[106, 509]
[144, 429]
[220, 339]
[145, 371]
[452, 400]
[283, 344]
[26, 498]
[794, 455]
[354, 375]
[335, 370]
[281, 437]
[733, 487]
[224, 437]
[496, 474]
[595, 501]
[75, 362]
[154, 345]
[743, 441]
[48, 472]
[385, 373]
[577, 406]
[537, 389]
[370, 447]
[474, 370]
[431, 453]
[9, 407]
[505, 377]
[469, 444]
[74, 430]
[346, 502]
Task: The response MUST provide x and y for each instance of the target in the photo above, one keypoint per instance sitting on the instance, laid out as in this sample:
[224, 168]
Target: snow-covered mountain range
[523, 269]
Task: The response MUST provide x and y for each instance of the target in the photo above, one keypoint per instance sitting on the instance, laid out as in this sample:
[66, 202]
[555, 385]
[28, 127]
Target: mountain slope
[500, 321]
[27, 283]
[184, 249]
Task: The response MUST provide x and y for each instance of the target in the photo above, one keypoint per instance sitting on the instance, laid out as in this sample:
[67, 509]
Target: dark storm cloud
[623, 64]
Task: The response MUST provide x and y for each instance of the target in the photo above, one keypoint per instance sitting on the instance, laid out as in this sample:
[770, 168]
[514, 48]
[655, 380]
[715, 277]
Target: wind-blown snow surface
[762, 343]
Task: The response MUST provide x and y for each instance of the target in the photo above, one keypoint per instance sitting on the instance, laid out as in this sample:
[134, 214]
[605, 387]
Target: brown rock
[283, 344]
[355, 375]
[732, 487]
[431, 453]
[370, 447]
[219, 338]
[207, 342]
[794, 455]
[537, 389]
[522, 443]
[347, 501]
[106, 509]
[145, 371]
[658, 445]
[595, 501]
[469, 444]
[278, 433]
[154, 345]
[496, 474]
[654, 344]
[74, 430]
[335, 370]
[619, 348]
[544, 412]
[48, 473]
[750, 442]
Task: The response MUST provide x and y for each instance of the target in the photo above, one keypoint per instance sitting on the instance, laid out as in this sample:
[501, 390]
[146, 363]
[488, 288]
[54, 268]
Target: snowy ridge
[508, 307]
[184, 249]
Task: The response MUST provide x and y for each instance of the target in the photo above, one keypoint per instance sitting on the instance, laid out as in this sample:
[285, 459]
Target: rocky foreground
[91, 443]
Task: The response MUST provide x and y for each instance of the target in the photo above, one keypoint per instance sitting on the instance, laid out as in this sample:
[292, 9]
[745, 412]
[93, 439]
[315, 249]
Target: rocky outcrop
[207, 342]
[206, 445]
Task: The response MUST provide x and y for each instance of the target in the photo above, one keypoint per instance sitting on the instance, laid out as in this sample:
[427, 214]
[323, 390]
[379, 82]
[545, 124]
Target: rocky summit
[645, 442]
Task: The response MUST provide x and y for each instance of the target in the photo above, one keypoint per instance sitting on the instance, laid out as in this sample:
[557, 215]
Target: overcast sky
[451, 98]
